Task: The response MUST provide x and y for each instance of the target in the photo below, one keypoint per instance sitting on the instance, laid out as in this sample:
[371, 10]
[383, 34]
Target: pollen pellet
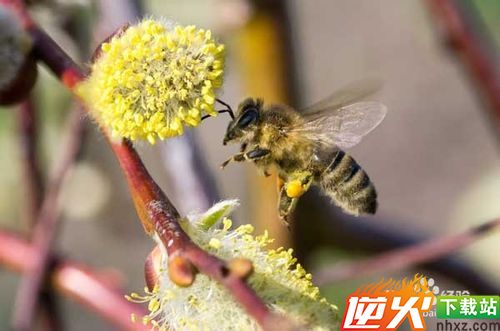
[294, 189]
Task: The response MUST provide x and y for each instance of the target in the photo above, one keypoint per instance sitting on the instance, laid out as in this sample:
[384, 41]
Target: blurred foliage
[489, 14]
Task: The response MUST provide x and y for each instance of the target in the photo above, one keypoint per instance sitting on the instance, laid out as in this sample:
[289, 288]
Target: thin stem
[33, 184]
[48, 51]
[405, 257]
[75, 281]
[46, 229]
[33, 193]
[50, 314]
[470, 51]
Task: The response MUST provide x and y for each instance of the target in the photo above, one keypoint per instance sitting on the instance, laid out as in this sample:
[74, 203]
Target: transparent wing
[346, 95]
[343, 127]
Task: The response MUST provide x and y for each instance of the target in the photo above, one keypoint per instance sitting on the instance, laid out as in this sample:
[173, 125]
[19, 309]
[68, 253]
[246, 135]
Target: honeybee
[307, 147]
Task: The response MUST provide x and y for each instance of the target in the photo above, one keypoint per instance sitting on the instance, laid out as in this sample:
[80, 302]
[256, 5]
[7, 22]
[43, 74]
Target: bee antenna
[228, 108]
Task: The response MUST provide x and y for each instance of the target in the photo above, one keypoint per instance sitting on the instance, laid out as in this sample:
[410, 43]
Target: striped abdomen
[348, 185]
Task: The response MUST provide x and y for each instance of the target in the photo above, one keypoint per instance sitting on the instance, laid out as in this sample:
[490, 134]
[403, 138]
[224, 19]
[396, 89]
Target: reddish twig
[404, 257]
[31, 168]
[32, 283]
[33, 187]
[157, 213]
[46, 228]
[462, 39]
[74, 281]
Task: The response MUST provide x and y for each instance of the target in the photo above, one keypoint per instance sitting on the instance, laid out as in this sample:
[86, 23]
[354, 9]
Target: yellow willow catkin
[154, 78]
[205, 305]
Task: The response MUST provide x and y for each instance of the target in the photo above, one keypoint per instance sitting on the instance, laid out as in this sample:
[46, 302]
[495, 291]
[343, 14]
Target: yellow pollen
[294, 189]
[151, 80]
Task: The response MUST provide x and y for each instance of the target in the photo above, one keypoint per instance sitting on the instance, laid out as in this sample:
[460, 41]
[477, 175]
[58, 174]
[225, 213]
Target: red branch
[74, 281]
[46, 225]
[156, 212]
[33, 192]
[405, 257]
[467, 45]
[31, 168]
[46, 229]
[159, 215]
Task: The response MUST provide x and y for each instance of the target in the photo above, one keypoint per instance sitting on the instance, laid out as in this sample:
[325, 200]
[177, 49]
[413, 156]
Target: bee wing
[343, 127]
[346, 95]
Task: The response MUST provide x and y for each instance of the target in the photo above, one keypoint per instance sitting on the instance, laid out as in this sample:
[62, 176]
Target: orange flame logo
[386, 304]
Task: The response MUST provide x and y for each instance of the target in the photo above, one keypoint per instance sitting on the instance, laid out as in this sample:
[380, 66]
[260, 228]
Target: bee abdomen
[349, 186]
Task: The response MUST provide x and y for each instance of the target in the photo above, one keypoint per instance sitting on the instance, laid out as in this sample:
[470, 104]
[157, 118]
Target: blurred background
[434, 159]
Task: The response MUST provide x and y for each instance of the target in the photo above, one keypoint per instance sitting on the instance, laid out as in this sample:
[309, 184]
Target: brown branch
[157, 213]
[33, 193]
[74, 281]
[33, 184]
[46, 228]
[405, 257]
[482, 67]
[31, 288]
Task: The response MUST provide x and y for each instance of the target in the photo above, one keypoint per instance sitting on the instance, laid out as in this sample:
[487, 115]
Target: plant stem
[471, 51]
[31, 173]
[46, 229]
[405, 257]
[33, 192]
[75, 281]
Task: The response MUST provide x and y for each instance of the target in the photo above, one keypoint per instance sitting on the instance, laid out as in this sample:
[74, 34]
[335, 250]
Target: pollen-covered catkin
[152, 79]
[205, 305]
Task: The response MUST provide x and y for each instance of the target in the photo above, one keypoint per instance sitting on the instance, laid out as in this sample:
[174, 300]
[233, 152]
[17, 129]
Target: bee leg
[280, 183]
[254, 154]
[235, 158]
[257, 154]
[286, 205]
[306, 182]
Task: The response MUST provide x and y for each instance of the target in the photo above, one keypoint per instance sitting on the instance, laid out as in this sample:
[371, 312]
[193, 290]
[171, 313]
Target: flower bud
[152, 267]
[181, 271]
[240, 267]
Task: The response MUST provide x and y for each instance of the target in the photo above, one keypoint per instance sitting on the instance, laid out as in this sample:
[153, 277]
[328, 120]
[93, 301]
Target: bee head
[245, 121]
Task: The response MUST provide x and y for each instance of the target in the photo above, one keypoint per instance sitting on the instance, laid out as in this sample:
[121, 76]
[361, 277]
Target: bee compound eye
[248, 117]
